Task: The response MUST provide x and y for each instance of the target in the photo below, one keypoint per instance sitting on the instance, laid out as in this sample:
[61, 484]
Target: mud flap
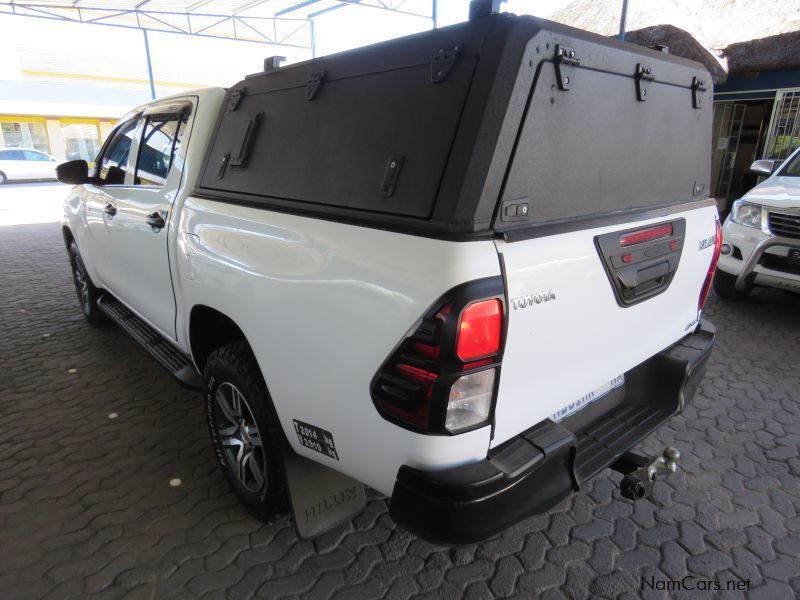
[321, 497]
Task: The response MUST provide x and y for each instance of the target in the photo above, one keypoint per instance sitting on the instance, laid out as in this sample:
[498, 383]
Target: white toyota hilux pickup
[465, 268]
[761, 236]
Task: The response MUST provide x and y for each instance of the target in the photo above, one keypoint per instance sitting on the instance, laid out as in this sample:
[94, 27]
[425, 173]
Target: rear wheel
[87, 293]
[725, 286]
[245, 431]
[3, 178]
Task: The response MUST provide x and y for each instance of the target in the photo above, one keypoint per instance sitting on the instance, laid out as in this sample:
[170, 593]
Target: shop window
[784, 130]
[81, 140]
[24, 134]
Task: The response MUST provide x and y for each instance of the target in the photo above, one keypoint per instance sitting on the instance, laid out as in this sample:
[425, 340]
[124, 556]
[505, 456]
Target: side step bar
[172, 359]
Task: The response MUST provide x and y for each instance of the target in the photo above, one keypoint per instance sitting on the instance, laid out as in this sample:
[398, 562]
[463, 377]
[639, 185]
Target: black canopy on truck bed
[500, 124]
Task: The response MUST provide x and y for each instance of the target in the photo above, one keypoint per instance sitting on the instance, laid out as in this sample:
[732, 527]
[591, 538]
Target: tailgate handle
[635, 276]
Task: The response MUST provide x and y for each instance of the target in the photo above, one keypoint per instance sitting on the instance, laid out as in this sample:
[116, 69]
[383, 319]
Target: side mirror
[764, 167]
[73, 172]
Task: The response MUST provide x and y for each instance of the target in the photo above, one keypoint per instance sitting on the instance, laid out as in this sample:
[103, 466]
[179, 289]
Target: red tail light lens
[711, 268]
[479, 330]
[441, 377]
[645, 235]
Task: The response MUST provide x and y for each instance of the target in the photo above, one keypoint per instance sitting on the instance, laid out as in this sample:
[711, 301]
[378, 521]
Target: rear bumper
[534, 471]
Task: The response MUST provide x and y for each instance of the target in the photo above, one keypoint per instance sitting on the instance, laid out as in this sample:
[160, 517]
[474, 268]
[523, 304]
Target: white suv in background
[26, 163]
[761, 236]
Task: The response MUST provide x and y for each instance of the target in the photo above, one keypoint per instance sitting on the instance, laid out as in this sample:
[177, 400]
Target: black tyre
[244, 428]
[725, 286]
[3, 178]
[87, 293]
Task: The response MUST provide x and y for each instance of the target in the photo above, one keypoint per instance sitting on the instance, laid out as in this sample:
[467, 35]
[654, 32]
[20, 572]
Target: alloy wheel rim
[81, 282]
[240, 438]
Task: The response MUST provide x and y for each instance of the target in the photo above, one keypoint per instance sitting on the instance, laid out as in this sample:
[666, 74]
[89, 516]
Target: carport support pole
[435, 14]
[622, 19]
[149, 65]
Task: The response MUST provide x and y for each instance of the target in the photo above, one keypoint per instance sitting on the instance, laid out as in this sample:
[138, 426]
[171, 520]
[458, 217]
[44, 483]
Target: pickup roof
[466, 268]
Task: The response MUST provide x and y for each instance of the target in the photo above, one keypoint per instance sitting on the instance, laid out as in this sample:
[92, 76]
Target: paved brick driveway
[87, 510]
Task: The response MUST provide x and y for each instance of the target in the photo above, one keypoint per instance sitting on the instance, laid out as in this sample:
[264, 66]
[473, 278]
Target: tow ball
[641, 472]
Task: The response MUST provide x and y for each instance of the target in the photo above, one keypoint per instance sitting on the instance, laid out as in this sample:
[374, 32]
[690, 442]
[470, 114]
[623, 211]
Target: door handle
[156, 220]
[110, 209]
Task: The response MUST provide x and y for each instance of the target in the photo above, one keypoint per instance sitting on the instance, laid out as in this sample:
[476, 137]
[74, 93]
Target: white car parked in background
[26, 163]
[761, 236]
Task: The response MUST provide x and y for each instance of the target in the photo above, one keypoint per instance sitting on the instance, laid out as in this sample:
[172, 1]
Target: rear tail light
[470, 401]
[712, 267]
[442, 376]
[479, 330]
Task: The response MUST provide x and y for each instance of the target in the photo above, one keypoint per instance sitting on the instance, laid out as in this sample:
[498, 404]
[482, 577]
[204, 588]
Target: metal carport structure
[288, 23]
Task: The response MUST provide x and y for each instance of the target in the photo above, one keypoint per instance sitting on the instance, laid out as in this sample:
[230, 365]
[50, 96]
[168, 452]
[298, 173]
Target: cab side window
[114, 163]
[160, 142]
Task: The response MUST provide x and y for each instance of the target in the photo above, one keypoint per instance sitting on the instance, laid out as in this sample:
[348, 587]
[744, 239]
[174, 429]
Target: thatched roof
[728, 36]
[680, 43]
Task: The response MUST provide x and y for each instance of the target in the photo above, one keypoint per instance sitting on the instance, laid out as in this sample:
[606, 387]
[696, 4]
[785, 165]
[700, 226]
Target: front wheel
[725, 286]
[87, 293]
[244, 428]
[3, 178]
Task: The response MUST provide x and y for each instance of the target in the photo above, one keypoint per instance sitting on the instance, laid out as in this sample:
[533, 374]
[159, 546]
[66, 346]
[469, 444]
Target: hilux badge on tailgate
[531, 299]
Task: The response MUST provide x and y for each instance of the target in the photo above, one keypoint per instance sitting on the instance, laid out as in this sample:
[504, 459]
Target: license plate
[584, 401]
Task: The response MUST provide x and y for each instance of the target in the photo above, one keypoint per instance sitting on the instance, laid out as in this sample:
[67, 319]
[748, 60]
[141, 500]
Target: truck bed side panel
[323, 304]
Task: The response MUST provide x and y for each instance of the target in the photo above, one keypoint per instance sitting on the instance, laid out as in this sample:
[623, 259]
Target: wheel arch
[67, 233]
[210, 329]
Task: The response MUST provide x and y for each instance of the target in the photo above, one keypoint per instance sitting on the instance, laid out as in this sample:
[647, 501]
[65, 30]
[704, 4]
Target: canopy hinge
[644, 77]
[313, 84]
[566, 66]
[236, 98]
[698, 87]
[443, 61]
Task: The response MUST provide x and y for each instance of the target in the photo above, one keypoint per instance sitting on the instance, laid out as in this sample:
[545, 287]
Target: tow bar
[641, 472]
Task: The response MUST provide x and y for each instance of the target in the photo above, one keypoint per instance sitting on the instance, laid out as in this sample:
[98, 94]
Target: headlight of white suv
[746, 214]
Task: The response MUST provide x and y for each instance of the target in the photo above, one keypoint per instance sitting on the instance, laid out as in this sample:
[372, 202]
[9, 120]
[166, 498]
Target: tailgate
[605, 221]
[571, 334]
